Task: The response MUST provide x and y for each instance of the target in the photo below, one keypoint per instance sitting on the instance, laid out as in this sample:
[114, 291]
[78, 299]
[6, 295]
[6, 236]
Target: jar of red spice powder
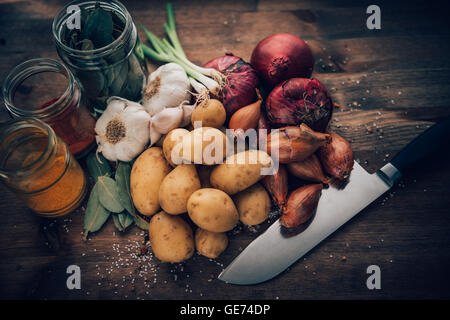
[46, 89]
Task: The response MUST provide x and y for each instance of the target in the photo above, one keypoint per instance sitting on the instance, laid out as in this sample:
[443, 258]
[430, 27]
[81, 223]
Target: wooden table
[391, 84]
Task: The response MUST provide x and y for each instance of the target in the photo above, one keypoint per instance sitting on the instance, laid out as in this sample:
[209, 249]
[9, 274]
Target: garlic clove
[187, 113]
[154, 134]
[167, 119]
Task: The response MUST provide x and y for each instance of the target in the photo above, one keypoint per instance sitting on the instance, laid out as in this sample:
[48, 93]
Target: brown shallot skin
[309, 169]
[246, 117]
[277, 186]
[262, 125]
[301, 205]
[295, 143]
[336, 157]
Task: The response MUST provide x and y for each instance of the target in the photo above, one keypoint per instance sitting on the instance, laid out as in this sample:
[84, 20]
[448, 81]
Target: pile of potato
[215, 196]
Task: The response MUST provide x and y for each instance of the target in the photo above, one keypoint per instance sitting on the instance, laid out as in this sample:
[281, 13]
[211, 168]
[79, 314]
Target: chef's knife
[273, 251]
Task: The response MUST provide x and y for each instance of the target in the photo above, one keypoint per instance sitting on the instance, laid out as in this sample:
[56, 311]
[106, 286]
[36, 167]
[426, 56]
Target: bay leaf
[123, 181]
[108, 194]
[95, 215]
[120, 78]
[99, 28]
[97, 165]
[122, 177]
[86, 44]
[141, 223]
[126, 219]
[117, 222]
[93, 82]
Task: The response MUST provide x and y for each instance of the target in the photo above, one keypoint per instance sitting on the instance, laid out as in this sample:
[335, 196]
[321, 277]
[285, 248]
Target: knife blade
[272, 252]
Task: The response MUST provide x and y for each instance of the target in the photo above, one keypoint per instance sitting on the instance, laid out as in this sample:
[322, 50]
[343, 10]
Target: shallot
[337, 157]
[301, 205]
[291, 144]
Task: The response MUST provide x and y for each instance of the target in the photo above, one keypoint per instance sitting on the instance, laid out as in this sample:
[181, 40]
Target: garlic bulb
[168, 86]
[122, 130]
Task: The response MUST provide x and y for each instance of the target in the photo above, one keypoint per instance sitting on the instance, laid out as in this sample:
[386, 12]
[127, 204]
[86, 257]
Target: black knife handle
[432, 140]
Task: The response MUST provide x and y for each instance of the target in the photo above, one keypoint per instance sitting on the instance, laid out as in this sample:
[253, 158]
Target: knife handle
[430, 141]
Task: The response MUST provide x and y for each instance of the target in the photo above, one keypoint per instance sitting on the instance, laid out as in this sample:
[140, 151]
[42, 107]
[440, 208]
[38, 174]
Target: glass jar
[38, 167]
[47, 90]
[117, 69]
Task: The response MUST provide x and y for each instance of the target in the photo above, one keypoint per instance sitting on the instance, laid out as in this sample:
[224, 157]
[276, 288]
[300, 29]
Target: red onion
[282, 56]
[242, 81]
[297, 101]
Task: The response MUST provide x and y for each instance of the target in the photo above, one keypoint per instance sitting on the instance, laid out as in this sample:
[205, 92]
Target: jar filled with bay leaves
[99, 42]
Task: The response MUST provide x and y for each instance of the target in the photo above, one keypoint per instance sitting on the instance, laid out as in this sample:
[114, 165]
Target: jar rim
[27, 69]
[63, 14]
[26, 122]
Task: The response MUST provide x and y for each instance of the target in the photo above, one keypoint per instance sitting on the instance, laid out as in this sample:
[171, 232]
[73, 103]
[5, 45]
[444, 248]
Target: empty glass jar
[47, 90]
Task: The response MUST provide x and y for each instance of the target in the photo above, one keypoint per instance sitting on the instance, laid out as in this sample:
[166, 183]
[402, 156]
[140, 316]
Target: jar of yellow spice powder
[38, 167]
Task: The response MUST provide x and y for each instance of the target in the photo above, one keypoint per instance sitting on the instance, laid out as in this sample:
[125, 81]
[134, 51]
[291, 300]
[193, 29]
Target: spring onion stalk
[172, 51]
[198, 87]
[210, 72]
[171, 30]
[202, 92]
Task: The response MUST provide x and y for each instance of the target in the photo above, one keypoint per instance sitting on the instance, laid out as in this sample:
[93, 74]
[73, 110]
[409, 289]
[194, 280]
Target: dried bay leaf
[126, 219]
[96, 215]
[109, 194]
[122, 177]
[99, 28]
[123, 182]
[141, 223]
[97, 165]
[117, 222]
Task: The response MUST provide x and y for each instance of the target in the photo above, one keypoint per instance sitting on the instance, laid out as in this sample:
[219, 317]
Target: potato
[210, 112]
[210, 244]
[212, 210]
[171, 238]
[204, 145]
[173, 140]
[204, 172]
[147, 173]
[240, 171]
[177, 187]
[253, 205]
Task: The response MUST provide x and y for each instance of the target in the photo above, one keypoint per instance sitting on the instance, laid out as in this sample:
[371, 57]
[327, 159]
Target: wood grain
[391, 84]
